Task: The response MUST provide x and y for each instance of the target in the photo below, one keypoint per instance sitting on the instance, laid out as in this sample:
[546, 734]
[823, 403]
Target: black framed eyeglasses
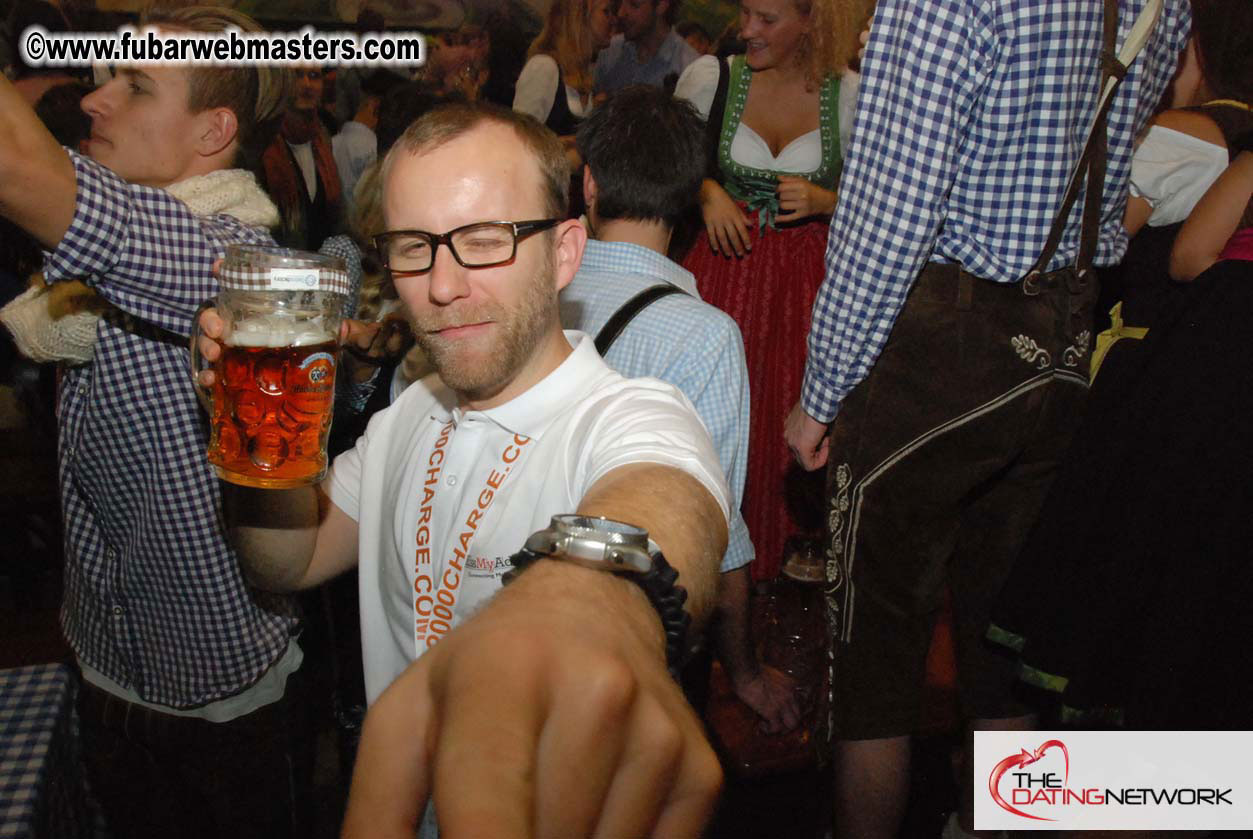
[405, 253]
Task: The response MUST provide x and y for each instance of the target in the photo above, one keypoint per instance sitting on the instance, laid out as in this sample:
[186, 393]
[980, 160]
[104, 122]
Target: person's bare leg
[871, 787]
[966, 815]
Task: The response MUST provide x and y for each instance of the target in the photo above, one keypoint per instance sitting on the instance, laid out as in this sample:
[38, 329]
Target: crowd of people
[837, 272]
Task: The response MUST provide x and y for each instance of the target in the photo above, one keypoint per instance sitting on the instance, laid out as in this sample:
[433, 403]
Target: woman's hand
[798, 199]
[725, 223]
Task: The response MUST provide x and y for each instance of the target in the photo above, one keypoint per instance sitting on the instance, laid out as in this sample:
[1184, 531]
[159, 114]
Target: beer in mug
[274, 384]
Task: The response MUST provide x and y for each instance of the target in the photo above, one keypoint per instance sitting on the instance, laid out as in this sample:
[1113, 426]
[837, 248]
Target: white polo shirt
[443, 497]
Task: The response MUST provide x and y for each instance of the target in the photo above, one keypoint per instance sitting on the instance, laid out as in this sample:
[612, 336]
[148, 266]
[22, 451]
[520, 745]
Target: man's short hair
[646, 152]
[448, 122]
[688, 28]
[672, 10]
[254, 93]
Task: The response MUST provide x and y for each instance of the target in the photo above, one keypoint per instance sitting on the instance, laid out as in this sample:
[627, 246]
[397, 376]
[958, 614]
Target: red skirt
[770, 293]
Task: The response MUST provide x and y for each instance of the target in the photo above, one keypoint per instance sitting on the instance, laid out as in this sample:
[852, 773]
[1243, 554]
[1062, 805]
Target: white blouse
[537, 90]
[699, 84]
[1172, 170]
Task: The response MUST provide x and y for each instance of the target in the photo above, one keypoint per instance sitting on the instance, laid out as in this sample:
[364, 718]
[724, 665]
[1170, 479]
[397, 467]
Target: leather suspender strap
[1099, 145]
[1091, 164]
[614, 326]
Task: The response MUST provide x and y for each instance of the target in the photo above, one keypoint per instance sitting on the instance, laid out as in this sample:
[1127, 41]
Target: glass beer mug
[271, 402]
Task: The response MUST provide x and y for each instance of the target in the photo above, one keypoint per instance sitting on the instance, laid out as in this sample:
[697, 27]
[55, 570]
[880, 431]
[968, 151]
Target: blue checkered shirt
[677, 339]
[154, 597]
[619, 65]
[970, 118]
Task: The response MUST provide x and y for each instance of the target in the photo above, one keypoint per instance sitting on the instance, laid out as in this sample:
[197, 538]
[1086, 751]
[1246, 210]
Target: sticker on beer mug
[293, 279]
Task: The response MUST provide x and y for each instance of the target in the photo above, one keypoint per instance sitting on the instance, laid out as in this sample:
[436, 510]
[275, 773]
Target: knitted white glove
[41, 336]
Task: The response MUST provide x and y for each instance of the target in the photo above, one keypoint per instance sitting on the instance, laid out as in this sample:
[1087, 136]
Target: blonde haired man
[191, 719]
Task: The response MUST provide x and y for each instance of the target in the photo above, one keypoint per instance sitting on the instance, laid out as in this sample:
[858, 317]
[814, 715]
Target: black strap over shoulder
[713, 124]
[561, 120]
[614, 326]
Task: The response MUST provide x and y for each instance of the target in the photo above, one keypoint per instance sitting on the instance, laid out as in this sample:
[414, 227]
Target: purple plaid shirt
[154, 596]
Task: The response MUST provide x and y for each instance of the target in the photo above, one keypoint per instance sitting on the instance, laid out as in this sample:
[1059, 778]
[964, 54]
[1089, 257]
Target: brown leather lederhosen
[939, 462]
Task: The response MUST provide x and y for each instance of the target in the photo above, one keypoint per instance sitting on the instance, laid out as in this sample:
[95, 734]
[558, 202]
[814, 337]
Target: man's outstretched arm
[555, 698]
[37, 184]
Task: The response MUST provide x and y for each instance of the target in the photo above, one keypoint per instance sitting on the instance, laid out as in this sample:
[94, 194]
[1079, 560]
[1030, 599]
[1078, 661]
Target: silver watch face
[595, 541]
[614, 532]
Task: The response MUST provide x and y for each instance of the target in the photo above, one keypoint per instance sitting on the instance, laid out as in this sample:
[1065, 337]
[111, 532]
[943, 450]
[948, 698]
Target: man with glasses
[547, 707]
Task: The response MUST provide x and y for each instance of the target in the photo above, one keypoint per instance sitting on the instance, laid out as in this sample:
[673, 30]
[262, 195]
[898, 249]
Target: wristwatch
[621, 549]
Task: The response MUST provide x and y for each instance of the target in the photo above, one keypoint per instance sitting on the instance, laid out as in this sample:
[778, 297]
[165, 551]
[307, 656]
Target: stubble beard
[520, 335]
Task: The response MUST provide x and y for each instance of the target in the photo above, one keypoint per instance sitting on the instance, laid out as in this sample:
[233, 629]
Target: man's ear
[216, 129]
[589, 188]
[568, 245]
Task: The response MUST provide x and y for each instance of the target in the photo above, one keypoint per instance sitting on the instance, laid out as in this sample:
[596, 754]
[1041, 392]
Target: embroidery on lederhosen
[1031, 352]
[1077, 351]
[836, 575]
[835, 571]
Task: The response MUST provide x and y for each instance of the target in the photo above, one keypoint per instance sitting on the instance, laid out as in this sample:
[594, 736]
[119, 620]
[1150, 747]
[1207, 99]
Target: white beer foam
[278, 330]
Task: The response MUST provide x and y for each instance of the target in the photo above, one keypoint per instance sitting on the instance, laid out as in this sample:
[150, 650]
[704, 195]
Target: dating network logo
[1113, 780]
[1031, 788]
[1040, 779]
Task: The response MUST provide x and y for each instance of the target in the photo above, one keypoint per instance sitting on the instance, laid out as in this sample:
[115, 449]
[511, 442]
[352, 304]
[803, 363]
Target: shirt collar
[354, 127]
[664, 52]
[532, 412]
[625, 257]
[670, 45]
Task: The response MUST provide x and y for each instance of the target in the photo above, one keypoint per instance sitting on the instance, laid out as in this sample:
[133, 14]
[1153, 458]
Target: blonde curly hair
[831, 43]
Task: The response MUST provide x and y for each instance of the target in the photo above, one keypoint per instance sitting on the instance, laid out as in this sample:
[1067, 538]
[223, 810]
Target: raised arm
[37, 184]
[555, 698]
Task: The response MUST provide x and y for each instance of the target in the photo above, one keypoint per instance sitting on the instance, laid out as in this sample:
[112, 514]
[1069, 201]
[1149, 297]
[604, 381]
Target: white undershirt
[699, 85]
[536, 90]
[1172, 170]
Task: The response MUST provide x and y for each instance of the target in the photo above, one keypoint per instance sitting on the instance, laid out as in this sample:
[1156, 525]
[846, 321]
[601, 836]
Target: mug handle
[202, 393]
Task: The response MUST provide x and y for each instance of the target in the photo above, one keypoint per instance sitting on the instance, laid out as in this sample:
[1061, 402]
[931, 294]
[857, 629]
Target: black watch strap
[663, 591]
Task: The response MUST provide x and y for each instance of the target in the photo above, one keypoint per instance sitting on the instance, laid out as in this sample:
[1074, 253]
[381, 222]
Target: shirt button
[82, 391]
[118, 611]
[69, 452]
[452, 480]
[110, 554]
